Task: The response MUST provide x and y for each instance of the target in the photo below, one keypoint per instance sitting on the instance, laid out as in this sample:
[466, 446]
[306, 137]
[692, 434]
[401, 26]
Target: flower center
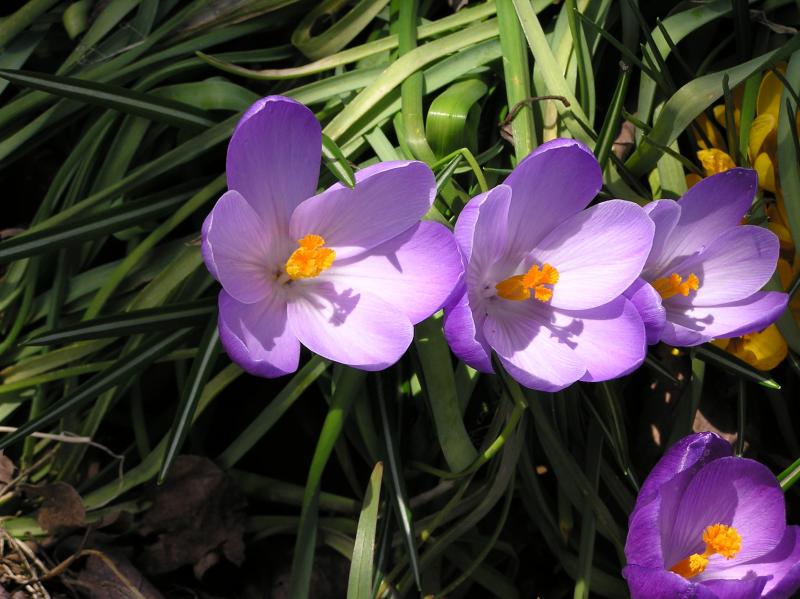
[310, 259]
[675, 284]
[719, 538]
[519, 287]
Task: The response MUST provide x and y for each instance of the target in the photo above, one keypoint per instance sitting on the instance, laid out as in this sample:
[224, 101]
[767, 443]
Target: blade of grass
[359, 585]
[202, 365]
[303, 556]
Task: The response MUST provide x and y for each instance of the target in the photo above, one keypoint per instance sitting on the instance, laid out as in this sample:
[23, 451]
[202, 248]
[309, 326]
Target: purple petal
[236, 249]
[657, 583]
[388, 199]
[781, 566]
[688, 326]
[731, 268]
[256, 336]
[555, 181]
[531, 353]
[665, 215]
[415, 271]
[750, 588]
[610, 339]
[661, 493]
[274, 157]
[735, 491]
[465, 225]
[647, 302]
[490, 232]
[714, 205]
[463, 330]
[356, 329]
[598, 253]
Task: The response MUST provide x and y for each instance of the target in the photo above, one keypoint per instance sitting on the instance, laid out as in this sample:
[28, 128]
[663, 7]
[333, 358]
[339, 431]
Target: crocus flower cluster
[708, 525]
[347, 273]
[558, 291]
[704, 272]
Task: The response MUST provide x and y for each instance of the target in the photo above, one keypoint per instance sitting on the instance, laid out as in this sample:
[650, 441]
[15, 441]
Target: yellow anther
[719, 539]
[715, 161]
[518, 287]
[310, 259]
[675, 284]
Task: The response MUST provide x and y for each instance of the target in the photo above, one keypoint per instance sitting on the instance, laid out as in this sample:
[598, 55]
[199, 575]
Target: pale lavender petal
[463, 330]
[236, 249]
[531, 353]
[735, 265]
[490, 233]
[735, 491]
[343, 325]
[598, 253]
[256, 336]
[465, 225]
[689, 326]
[714, 205]
[665, 215]
[661, 494]
[388, 198]
[657, 583]
[749, 588]
[610, 339]
[648, 303]
[781, 566]
[552, 183]
[274, 158]
[415, 271]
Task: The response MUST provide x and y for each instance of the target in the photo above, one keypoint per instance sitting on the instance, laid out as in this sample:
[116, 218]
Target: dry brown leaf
[62, 507]
[198, 517]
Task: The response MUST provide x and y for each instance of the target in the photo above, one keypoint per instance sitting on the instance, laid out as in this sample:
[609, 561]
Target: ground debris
[198, 518]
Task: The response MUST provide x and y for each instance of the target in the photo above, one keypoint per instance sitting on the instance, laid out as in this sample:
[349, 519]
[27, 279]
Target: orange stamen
[518, 287]
[310, 259]
[719, 539]
[675, 284]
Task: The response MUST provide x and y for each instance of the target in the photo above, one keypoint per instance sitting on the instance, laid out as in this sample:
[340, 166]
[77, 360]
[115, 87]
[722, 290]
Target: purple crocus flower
[347, 273]
[544, 277]
[703, 277]
[707, 525]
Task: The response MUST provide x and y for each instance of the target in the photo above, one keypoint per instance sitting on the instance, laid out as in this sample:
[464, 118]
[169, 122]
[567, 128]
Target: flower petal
[256, 336]
[236, 248]
[415, 271]
[657, 583]
[463, 330]
[688, 326]
[647, 302]
[734, 491]
[388, 198]
[734, 266]
[356, 329]
[274, 158]
[714, 205]
[665, 215]
[781, 566]
[531, 353]
[555, 181]
[598, 253]
[490, 232]
[749, 588]
[661, 493]
[610, 339]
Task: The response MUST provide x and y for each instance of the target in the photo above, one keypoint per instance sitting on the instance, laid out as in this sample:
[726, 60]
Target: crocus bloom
[762, 349]
[707, 525]
[703, 275]
[346, 272]
[544, 276]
